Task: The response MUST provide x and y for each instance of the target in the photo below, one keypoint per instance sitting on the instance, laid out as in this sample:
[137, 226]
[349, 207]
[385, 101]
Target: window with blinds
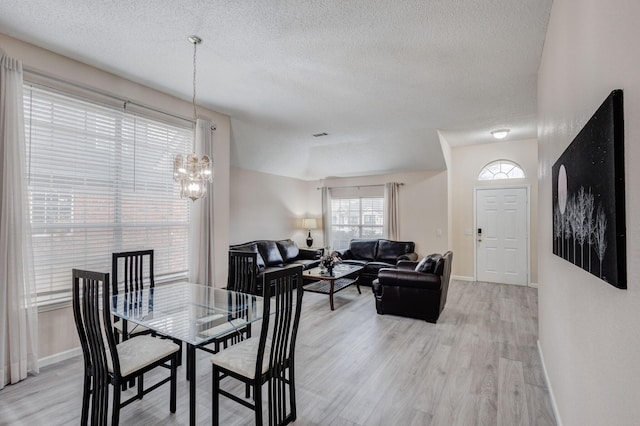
[100, 181]
[355, 218]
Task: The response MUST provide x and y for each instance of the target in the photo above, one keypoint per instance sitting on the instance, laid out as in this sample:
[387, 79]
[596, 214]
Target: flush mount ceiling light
[500, 133]
[193, 173]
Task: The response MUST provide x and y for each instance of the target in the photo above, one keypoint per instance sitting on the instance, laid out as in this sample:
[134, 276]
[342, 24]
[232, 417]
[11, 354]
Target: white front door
[502, 227]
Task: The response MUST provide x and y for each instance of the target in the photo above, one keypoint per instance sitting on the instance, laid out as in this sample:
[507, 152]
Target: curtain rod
[124, 102]
[357, 186]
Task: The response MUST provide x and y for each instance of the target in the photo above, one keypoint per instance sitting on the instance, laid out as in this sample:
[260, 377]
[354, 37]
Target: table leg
[191, 372]
[331, 293]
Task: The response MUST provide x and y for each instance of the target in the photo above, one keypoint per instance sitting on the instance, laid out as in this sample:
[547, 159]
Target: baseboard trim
[462, 278]
[534, 285]
[59, 357]
[556, 413]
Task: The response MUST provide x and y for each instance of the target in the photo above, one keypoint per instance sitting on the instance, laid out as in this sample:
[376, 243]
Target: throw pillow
[425, 265]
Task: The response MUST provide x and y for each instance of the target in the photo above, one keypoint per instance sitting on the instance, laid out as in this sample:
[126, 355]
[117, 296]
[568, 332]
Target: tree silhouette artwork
[599, 234]
[588, 213]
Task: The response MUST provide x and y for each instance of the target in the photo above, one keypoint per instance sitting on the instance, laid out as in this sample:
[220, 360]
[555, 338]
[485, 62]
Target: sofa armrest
[376, 287]
[409, 256]
[406, 264]
[408, 278]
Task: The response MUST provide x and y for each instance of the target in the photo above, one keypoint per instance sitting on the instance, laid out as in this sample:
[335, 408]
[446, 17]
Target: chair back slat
[243, 270]
[94, 330]
[279, 287]
[132, 270]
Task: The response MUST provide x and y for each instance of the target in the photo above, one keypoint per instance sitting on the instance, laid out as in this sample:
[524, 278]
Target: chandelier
[193, 173]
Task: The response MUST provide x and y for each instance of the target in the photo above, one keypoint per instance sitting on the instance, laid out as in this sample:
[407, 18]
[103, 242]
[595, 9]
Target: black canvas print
[588, 196]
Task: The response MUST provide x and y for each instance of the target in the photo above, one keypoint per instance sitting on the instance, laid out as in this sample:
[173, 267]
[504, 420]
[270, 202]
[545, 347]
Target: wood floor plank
[512, 404]
[478, 366]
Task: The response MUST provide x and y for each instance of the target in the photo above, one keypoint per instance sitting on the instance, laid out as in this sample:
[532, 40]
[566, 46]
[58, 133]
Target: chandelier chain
[193, 100]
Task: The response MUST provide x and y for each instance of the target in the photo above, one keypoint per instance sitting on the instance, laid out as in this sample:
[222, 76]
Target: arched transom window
[501, 169]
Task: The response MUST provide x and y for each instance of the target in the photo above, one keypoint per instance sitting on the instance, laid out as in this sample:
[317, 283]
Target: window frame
[501, 175]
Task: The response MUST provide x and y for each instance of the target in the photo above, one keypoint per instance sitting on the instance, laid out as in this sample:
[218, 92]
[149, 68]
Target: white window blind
[355, 218]
[100, 181]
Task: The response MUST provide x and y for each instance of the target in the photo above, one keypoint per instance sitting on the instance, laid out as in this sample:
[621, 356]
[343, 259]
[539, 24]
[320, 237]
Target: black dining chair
[243, 271]
[131, 270]
[107, 363]
[270, 357]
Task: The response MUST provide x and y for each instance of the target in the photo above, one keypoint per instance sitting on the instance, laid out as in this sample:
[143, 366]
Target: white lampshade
[309, 223]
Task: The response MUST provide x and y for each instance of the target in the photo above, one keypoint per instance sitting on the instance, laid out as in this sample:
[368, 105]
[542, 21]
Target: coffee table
[343, 276]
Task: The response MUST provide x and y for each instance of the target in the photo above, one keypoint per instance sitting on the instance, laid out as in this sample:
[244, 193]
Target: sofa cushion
[363, 249]
[306, 263]
[355, 262]
[269, 251]
[288, 250]
[252, 248]
[389, 251]
[372, 268]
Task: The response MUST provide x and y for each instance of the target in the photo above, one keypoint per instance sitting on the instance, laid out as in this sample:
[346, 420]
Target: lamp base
[309, 240]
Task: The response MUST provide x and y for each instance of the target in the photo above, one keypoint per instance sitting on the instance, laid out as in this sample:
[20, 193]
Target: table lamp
[309, 224]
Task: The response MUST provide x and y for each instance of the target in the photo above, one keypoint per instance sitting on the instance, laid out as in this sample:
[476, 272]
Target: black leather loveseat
[416, 290]
[271, 255]
[375, 254]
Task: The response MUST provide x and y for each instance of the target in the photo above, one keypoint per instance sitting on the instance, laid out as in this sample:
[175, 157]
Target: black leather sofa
[406, 292]
[272, 254]
[375, 254]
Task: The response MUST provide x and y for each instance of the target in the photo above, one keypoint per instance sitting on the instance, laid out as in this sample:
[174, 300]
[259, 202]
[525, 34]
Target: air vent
[317, 135]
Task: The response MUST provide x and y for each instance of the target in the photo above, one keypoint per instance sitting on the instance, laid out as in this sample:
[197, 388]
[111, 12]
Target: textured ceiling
[381, 77]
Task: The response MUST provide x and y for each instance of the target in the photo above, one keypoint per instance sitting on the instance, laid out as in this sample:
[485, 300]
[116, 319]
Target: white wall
[589, 331]
[270, 207]
[467, 161]
[56, 330]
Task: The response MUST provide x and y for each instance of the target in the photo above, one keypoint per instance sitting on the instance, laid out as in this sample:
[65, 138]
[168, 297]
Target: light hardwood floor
[478, 366]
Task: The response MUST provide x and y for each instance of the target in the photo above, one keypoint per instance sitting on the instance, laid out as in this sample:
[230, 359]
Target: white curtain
[201, 254]
[18, 314]
[391, 230]
[326, 216]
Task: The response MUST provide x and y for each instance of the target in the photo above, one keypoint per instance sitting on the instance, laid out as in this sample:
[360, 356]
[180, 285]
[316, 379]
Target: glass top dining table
[192, 313]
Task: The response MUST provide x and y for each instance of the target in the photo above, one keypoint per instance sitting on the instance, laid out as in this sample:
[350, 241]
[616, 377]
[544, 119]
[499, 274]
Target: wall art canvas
[588, 196]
